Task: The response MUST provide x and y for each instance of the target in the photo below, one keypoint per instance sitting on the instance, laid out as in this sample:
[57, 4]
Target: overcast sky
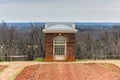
[60, 10]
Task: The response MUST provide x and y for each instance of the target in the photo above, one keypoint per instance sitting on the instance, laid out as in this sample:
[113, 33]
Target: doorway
[59, 48]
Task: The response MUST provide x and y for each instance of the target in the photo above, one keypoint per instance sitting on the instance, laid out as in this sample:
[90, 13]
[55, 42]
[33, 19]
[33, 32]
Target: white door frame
[59, 57]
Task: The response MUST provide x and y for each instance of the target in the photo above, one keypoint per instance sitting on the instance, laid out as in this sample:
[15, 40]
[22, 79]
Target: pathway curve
[13, 68]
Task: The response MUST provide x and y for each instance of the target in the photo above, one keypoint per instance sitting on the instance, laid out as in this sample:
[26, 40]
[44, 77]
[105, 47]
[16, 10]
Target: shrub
[39, 59]
[1, 60]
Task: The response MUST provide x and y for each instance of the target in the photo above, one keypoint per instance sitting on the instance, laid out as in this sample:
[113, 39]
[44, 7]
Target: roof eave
[59, 31]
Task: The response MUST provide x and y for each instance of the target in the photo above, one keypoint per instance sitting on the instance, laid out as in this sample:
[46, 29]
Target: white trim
[64, 56]
[59, 28]
[59, 31]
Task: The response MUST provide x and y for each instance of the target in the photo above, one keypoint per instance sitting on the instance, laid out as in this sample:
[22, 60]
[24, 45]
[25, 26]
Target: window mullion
[59, 45]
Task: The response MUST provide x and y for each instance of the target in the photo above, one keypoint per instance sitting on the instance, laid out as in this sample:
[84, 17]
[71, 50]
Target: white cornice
[59, 28]
[59, 31]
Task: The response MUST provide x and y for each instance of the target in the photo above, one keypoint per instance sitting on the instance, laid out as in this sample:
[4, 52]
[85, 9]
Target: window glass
[59, 45]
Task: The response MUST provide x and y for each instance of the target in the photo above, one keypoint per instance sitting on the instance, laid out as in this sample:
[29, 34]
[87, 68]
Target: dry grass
[14, 75]
[116, 62]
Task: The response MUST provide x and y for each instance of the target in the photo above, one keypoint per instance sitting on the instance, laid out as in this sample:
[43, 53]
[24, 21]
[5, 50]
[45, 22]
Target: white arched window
[59, 45]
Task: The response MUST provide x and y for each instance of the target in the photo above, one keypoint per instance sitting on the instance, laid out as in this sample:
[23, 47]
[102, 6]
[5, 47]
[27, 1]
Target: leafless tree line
[15, 42]
[92, 43]
[98, 43]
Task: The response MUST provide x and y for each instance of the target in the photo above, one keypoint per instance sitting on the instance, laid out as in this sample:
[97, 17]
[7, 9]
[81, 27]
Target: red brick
[49, 37]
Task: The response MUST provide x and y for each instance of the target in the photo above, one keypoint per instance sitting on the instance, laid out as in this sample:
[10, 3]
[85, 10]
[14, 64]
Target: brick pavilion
[59, 41]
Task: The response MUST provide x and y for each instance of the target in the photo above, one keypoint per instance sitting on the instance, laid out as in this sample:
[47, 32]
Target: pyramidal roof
[59, 27]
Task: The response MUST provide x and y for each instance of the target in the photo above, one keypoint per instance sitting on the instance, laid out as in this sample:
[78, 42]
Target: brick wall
[70, 37]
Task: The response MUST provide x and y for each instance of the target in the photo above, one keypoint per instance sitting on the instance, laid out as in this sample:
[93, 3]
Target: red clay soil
[27, 73]
[70, 71]
[2, 67]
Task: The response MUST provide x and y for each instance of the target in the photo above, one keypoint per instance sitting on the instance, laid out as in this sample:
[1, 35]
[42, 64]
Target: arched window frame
[54, 44]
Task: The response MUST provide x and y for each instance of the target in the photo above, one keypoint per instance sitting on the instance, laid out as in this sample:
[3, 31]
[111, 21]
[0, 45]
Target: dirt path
[69, 71]
[2, 67]
[13, 68]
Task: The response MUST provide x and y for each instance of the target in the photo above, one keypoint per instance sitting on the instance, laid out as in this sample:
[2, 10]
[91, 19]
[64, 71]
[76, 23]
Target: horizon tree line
[91, 43]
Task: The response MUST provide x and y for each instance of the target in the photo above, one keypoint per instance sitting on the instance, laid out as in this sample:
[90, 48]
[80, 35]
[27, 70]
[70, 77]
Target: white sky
[59, 10]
